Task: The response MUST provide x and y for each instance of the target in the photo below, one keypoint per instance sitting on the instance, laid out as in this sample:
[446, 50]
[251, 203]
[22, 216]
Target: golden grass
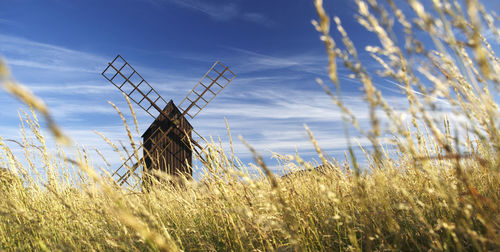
[432, 190]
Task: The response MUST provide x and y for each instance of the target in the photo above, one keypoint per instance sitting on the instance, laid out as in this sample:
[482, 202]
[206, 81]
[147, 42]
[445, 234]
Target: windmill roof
[171, 109]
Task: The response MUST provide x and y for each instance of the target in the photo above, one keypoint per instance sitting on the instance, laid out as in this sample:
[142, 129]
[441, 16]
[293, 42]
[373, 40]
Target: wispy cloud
[255, 61]
[26, 53]
[220, 10]
[73, 88]
[275, 122]
[43, 65]
[258, 19]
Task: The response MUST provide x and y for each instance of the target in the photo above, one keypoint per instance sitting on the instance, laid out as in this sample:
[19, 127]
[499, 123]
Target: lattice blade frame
[129, 177]
[210, 85]
[123, 76]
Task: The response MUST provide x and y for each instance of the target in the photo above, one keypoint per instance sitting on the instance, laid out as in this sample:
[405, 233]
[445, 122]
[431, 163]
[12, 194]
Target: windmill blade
[129, 177]
[200, 147]
[199, 139]
[123, 76]
[210, 85]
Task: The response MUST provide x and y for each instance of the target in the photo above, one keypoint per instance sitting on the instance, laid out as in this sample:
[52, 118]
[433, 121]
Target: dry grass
[430, 191]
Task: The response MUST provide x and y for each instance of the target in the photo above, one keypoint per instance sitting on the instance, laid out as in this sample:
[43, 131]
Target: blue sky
[58, 49]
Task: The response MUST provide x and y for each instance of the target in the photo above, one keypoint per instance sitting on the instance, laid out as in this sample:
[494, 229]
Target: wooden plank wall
[176, 159]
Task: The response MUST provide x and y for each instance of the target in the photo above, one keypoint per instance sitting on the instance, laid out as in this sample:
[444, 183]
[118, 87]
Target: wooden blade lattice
[123, 76]
[210, 85]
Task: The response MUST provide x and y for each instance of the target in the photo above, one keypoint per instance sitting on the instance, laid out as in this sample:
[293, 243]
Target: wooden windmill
[168, 144]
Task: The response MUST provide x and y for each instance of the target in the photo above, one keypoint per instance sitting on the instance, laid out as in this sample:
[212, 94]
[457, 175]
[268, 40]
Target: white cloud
[258, 18]
[255, 61]
[78, 88]
[43, 65]
[26, 53]
[219, 10]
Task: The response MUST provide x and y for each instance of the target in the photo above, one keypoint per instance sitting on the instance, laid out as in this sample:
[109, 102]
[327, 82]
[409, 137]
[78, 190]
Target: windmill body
[170, 142]
[168, 154]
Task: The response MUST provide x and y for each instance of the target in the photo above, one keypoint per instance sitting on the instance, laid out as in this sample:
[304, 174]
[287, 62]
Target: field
[429, 185]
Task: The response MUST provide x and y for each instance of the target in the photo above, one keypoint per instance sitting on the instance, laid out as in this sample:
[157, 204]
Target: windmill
[168, 144]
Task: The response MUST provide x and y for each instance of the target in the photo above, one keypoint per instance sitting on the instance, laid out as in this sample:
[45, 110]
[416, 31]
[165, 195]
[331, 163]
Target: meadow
[431, 182]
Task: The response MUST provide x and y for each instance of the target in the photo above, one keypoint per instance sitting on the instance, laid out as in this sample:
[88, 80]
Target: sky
[58, 49]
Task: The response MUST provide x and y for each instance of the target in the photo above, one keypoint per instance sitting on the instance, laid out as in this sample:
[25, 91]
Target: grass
[429, 190]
